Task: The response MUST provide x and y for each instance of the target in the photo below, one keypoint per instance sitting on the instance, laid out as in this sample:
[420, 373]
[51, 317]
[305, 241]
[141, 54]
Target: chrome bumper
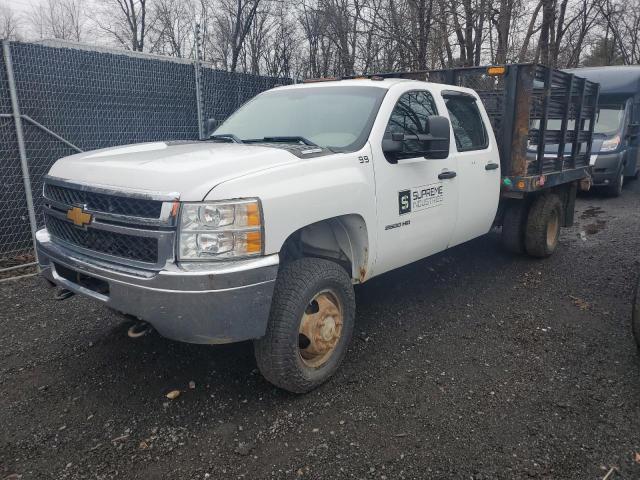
[196, 303]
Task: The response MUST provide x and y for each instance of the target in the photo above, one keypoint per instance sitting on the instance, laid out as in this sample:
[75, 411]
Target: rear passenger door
[478, 166]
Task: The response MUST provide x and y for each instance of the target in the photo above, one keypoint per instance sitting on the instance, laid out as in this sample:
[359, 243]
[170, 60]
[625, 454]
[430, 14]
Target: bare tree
[256, 42]
[468, 18]
[9, 24]
[172, 32]
[622, 19]
[126, 22]
[229, 23]
[502, 23]
[319, 49]
[280, 52]
[343, 37]
[61, 19]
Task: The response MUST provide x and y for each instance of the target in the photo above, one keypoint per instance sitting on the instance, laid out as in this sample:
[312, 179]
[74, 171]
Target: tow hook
[63, 294]
[139, 329]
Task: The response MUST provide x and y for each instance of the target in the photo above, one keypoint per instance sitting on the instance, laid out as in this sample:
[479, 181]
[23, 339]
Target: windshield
[336, 117]
[609, 119]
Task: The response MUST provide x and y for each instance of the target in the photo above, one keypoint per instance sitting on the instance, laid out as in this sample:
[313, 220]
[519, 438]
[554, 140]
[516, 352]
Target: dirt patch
[594, 228]
[592, 212]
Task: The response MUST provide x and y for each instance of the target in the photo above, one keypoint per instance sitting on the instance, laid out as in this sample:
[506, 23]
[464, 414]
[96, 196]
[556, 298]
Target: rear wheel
[543, 226]
[310, 325]
[513, 227]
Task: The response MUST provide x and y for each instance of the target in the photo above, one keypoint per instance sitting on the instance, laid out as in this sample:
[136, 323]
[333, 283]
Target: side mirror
[209, 126]
[440, 132]
[434, 144]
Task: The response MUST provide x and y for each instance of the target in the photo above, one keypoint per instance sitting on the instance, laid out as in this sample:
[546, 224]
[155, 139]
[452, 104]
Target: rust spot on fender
[362, 270]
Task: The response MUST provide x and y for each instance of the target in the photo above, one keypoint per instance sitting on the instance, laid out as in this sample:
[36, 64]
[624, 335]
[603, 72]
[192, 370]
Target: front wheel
[310, 325]
[615, 189]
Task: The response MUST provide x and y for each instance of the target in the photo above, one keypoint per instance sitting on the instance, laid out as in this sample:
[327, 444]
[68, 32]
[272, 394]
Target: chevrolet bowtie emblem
[79, 217]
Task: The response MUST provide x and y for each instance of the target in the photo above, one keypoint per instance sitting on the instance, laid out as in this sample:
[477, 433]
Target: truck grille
[141, 249]
[102, 202]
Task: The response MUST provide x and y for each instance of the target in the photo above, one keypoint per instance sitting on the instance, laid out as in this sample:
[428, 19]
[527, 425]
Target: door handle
[491, 166]
[447, 174]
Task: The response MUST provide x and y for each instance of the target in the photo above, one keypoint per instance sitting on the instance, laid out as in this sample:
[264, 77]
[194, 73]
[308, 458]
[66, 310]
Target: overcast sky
[24, 8]
[19, 5]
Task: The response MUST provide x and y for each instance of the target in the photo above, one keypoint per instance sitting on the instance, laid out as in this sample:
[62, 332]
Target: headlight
[220, 230]
[610, 144]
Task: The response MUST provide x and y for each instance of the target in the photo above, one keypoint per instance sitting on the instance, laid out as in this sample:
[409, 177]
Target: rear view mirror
[210, 126]
[434, 144]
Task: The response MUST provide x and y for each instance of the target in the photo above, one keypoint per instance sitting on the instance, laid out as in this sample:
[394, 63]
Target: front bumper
[197, 303]
[607, 168]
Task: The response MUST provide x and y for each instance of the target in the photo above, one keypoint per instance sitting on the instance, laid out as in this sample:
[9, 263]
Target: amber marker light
[496, 71]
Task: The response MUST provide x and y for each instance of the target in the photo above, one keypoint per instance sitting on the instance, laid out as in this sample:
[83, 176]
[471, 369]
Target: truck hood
[191, 169]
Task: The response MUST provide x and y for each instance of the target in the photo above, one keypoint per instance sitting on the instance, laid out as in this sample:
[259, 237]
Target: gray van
[615, 154]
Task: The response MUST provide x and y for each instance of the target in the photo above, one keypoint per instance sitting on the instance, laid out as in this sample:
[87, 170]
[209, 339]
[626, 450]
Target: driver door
[416, 197]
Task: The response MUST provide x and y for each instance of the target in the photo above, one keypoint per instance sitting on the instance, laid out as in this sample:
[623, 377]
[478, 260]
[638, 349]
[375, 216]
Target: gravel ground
[472, 364]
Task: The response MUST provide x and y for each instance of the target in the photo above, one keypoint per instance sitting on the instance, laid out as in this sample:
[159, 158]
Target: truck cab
[260, 232]
[615, 151]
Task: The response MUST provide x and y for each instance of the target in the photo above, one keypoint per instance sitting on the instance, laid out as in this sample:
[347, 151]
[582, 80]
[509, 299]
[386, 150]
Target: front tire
[310, 325]
[615, 189]
[543, 226]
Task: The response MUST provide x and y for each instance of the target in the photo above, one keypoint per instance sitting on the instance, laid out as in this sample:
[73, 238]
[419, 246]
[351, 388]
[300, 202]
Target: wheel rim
[553, 228]
[320, 329]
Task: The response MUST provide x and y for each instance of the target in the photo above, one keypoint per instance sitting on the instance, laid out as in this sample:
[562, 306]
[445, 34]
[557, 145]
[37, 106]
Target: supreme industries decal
[420, 198]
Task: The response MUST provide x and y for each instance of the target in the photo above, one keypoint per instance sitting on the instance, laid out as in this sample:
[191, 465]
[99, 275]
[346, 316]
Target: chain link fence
[69, 98]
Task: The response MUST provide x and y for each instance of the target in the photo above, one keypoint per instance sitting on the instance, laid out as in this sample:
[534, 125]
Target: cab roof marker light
[496, 71]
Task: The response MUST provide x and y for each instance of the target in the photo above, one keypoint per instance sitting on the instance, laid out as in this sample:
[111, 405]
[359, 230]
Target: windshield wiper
[285, 139]
[227, 137]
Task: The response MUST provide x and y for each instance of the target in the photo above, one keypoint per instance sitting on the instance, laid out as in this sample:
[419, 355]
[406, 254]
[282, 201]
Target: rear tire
[543, 226]
[513, 227]
[312, 298]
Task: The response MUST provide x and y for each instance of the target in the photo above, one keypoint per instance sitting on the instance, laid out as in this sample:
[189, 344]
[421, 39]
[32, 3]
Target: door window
[410, 117]
[468, 127]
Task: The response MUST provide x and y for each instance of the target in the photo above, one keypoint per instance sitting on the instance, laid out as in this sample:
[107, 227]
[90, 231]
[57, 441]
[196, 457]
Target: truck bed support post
[565, 121]
[542, 130]
[578, 125]
[508, 116]
[523, 95]
[17, 119]
[592, 123]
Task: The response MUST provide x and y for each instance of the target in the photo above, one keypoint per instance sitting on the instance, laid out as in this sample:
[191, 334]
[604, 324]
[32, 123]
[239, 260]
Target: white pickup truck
[260, 232]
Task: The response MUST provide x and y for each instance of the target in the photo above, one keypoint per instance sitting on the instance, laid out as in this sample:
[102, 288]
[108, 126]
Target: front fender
[296, 195]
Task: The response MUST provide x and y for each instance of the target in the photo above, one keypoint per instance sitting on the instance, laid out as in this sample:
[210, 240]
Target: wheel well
[342, 239]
